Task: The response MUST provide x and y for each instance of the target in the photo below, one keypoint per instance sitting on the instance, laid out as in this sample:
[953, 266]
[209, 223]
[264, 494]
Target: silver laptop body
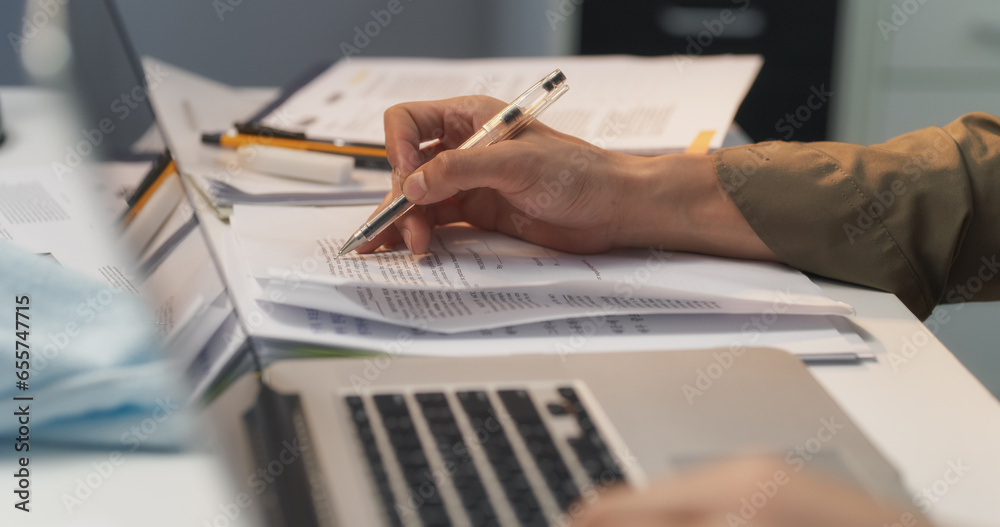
[519, 440]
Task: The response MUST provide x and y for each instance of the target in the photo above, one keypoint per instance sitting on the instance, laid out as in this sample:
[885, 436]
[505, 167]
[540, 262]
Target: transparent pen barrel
[398, 207]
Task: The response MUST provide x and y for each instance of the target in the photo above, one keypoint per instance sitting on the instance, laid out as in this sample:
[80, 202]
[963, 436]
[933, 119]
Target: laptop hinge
[294, 495]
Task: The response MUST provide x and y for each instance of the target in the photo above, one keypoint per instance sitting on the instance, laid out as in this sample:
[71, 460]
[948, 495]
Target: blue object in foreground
[94, 371]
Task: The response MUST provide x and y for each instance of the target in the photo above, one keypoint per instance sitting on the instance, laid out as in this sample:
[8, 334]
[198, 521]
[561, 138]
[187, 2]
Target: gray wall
[269, 42]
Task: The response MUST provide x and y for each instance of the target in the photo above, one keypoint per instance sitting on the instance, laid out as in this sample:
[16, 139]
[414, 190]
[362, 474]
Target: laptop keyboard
[519, 498]
[410, 455]
[542, 447]
[501, 456]
[367, 437]
[455, 453]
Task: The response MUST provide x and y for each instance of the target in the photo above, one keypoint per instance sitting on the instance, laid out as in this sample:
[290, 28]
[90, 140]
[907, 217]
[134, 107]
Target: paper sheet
[188, 105]
[52, 216]
[801, 334]
[179, 277]
[474, 279]
[646, 105]
[117, 181]
[811, 337]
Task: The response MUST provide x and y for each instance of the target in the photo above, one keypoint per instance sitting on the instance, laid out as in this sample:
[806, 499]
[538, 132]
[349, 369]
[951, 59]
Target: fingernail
[406, 237]
[415, 187]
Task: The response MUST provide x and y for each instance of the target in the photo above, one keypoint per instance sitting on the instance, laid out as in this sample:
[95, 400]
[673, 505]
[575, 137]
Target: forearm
[677, 202]
[915, 216]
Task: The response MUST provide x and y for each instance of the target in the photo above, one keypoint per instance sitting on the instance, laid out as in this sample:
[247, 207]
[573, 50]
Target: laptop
[520, 440]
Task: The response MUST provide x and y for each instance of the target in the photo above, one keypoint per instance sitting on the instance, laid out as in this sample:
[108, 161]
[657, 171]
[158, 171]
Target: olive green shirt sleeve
[918, 216]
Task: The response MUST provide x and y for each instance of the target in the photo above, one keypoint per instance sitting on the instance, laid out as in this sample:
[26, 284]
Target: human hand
[543, 186]
[751, 492]
[552, 189]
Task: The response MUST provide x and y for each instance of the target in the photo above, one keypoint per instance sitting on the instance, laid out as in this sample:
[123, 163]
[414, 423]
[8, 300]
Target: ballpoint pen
[504, 125]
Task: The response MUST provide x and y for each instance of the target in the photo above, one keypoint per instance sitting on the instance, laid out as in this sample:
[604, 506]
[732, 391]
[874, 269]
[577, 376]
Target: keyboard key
[490, 432]
[455, 453]
[590, 447]
[540, 444]
[363, 426]
[409, 452]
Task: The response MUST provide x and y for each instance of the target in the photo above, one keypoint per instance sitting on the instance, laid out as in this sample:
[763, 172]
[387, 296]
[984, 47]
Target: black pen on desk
[367, 156]
[158, 172]
[262, 130]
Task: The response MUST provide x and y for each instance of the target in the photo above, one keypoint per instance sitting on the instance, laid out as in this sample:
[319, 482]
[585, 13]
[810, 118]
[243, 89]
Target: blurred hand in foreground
[750, 492]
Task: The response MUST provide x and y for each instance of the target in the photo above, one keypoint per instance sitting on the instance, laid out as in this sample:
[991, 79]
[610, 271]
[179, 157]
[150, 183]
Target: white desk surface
[923, 410]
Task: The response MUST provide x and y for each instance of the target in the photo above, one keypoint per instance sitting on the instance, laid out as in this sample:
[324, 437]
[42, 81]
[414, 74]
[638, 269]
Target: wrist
[677, 202]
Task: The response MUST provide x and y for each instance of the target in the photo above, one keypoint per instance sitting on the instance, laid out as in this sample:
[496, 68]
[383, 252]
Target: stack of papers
[504, 294]
[187, 105]
[474, 279]
[479, 292]
[639, 105]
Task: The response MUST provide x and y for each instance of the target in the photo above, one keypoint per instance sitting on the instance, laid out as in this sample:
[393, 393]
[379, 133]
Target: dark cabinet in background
[791, 97]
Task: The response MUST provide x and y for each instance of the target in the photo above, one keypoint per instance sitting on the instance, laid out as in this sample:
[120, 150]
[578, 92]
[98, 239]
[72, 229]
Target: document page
[810, 337]
[642, 105]
[473, 279]
[188, 105]
[804, 335]
[51, 216]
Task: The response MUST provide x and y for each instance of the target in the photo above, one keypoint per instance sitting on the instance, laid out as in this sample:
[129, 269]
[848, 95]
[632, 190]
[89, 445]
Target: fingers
[658, 505]
[408, 125]
[504, 167]
[413, 229]
[440, 172]
[720, 493]
[450, 120]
